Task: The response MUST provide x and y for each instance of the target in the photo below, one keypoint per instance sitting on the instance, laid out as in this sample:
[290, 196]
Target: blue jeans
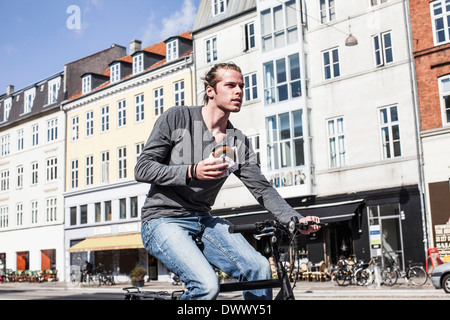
[170, 240]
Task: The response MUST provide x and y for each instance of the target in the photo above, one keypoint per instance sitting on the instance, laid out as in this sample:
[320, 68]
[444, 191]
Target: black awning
[332, 212]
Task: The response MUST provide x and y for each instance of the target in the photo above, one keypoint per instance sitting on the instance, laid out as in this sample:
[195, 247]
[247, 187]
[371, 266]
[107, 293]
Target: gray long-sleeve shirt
[180, 138]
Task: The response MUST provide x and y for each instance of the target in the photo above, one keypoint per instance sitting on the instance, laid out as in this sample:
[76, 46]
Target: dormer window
[138, 63]
[115, 72]
[53, 89]
[219, 6]
[7, 109]
[172, 50]
[29, 99]
[87, 84]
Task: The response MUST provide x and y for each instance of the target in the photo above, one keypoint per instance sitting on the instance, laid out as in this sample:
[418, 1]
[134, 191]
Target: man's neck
[216, 121]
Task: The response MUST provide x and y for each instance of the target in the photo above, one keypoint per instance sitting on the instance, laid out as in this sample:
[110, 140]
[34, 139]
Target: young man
[185, 181]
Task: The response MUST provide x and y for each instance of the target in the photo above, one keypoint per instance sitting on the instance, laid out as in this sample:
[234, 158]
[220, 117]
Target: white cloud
[178, 22]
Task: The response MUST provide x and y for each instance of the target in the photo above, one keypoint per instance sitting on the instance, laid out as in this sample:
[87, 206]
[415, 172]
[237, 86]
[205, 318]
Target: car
[441, 277]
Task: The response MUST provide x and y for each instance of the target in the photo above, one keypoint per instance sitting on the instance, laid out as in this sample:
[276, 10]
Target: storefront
[361, 225]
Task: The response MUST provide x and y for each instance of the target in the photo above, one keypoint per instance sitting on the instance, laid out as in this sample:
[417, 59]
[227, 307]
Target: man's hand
[311, 228]
[210, 169]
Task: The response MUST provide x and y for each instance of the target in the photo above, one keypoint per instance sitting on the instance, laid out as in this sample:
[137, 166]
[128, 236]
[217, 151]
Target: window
[383, 49]
[115, 72]
[89, 170]
[19, 140]
[444, 92]
[51, 209]
[53, 88]
[75, 128]
[139, 147]
[98, 212]
[121, 113]
[138, 63]
[74, 174]
[178, 89]
[122, 162]
[249, 36]
[285, 145]
[52, 169]
[282, 79]
[5, 147]
[440, 15]
[29, 100]
[83, 214]
[105, 119]
[390, 132]
[254, 143]
[7, 110]
[19, 214]
[139, 107]
[331, 64]
[73, 216]
[35, 135]
[377, 2]
[52, 130]
[105, 166]
[89, 123]
[219, 6]
[172, 50]
[251, 87]
[158, 101]
[4, 220]
[19, 177]
[107, 211]
[87, 87]
[133, 207]
[279, 26]
[34, 211]
[122, 208]
[211, 50]
[34, 173]
[327, 11]
[4, 180]
[336, 142]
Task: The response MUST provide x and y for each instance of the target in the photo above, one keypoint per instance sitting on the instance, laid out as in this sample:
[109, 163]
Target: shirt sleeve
[153, 165]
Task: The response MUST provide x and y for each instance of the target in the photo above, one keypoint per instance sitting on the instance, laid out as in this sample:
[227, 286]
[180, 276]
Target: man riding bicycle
[185, 180]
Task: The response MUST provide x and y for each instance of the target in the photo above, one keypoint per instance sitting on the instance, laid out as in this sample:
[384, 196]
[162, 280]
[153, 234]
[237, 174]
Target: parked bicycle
[414, 273]
[352, 272]
[268, 229]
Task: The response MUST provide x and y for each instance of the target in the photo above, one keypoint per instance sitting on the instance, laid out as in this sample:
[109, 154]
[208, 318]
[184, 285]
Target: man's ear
[210, 92]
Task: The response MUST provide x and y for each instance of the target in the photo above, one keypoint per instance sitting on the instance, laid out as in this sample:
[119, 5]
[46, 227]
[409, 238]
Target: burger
[224, 151]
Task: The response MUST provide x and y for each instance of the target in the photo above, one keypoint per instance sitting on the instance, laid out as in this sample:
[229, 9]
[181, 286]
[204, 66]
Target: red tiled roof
[158, 48]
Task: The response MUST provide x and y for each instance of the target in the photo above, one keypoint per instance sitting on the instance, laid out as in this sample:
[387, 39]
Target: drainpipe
[414, 95]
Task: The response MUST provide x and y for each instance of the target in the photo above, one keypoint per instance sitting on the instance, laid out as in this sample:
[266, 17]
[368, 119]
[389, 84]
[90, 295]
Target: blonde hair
[211, 78]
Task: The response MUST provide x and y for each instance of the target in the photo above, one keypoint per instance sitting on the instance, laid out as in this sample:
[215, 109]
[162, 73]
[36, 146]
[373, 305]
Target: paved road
[302, 291]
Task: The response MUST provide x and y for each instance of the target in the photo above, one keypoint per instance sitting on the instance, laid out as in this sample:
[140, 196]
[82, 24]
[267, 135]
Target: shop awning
[128, 241]
[330, 212]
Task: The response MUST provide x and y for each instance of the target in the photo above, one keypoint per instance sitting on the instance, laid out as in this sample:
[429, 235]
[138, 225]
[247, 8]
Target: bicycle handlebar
[261, 226]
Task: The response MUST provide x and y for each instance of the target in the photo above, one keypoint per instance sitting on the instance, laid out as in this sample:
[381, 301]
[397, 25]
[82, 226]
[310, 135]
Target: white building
[32, 156]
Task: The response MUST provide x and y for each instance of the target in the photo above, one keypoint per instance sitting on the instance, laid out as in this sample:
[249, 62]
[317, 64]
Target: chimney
[9, 90]
[135, 45]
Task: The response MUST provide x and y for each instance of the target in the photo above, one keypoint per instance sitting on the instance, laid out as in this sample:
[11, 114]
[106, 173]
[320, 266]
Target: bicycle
[414, 273]
[357, 273]
[271, 229]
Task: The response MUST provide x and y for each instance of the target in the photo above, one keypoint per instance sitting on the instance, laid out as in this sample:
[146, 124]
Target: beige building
[108, 123]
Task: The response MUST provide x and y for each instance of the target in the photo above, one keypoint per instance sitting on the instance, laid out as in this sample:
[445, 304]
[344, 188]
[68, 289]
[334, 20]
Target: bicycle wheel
[363, 277]
[389, 276]
[417, 276]
[342, 277]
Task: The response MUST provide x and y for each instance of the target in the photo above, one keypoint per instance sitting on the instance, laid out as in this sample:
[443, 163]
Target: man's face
[229, 90]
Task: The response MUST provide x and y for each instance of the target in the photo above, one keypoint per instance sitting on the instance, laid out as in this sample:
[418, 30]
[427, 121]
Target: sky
[38, 37]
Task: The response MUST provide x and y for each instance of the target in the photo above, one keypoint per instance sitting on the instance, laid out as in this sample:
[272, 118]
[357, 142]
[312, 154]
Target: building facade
[109, 121]
[32, 178]
[431, 43]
